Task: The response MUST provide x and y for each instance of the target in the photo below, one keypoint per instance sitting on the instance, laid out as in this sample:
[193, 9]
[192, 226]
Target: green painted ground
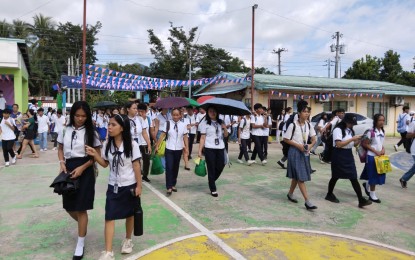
[34, 225]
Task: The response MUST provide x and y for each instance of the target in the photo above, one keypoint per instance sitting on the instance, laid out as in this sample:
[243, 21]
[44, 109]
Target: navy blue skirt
[298, 167]
[83, 199]
[120, 205]
[342, 164]
[371, 174]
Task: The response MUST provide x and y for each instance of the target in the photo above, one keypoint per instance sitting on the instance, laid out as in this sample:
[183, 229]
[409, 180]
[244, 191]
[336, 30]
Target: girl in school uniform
[7, 127]
[176, 143]
[101, 122]
[344, 166]
[298, 168]
[59, 122]
[374, 146]
[123, 155]
[75, 161]
[160, 123]
[213, 132]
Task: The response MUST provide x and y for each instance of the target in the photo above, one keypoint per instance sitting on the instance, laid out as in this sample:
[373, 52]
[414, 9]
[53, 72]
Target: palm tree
[20, 29]
[5, 29]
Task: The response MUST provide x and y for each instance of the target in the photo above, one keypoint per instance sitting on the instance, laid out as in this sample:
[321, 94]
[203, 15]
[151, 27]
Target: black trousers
[259, 147]
[7, 146]
[403, 140]
[172, 167]
[198, 136]
[225, 141]
[146, 160]
[265, 144]
[243, 150]
[215, 162]
[249, 142]
[191, 140]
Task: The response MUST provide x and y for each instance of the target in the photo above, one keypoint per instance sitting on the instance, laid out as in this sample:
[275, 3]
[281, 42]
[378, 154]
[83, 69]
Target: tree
[407, 78]
[5, 29]
[263, 70]
[367, 68]
[391, 68]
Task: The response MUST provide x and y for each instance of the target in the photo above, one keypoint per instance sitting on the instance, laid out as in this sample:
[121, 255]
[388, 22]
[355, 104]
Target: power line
[35, 9]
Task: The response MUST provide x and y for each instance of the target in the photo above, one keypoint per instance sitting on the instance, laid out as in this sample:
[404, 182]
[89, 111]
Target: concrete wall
[9, 54]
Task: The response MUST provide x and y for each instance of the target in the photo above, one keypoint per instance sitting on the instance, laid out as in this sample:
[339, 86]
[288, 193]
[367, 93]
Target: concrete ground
[251, 218]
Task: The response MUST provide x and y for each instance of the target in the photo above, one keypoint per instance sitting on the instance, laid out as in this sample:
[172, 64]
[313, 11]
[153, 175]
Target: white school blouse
[162, 120]
[376, 141]
[212, 132]
[175, 135]
[145, 127]
[7, 133]
[59, 123]
[136, 128]
[307, 129]
[121, 171]
[73, 141]
[337, 136]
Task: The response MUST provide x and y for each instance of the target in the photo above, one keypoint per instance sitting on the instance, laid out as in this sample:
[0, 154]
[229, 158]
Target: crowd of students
[123, 139]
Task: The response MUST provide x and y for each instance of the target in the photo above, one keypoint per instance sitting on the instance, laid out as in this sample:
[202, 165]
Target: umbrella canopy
[192, 102]
[203, 99]
[105, 104]
[226, 106]
[172, 102]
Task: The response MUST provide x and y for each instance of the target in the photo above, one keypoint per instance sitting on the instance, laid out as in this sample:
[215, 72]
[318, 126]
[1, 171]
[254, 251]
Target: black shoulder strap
[292, 135]
[167, 129]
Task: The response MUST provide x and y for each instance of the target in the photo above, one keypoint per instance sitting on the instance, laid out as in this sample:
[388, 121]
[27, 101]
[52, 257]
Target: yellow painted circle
[275, 245]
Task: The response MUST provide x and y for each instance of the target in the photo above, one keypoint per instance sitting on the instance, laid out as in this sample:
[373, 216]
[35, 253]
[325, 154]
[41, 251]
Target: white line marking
[393, 165]
[204, 231]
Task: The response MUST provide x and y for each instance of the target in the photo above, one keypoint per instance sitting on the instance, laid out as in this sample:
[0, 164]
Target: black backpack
[289, 121]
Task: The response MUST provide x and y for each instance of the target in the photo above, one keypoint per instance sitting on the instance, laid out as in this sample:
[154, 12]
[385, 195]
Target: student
[280, 125]
[43, 129]
[325, 157]
[175, 132]
[123, 156]
[345, 168]
[267, 130]
[184, 119]
[101, 122]
[227, 120]
[200, 118]
[144, 141]
[298, 168]
[160, 123]
[373, 142]
[402, 128]
[75, 161]
[287, 116]
[193, 128]
[30, 134]
[59, 121]
[7, 127]
[243, 137]
[213, 132]
[258, 124]
[3, 103]
[320, 125]
[17, 116]
[408, 175]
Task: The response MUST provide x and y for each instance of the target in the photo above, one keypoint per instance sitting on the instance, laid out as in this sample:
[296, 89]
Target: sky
[304, 28]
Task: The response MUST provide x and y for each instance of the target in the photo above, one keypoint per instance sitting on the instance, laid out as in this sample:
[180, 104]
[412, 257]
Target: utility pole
[339, 49]
[278, 52]
[255, 6]
[84, 53]
[190, 78]
[328, 64]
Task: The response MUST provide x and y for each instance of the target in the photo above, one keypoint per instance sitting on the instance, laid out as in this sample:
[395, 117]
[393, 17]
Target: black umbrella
[172, 102]
[105, 104]
[226, 106]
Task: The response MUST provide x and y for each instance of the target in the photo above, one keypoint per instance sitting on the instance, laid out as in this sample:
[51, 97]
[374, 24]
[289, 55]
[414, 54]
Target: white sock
[79, 250]
[373, 195]
[367, 187]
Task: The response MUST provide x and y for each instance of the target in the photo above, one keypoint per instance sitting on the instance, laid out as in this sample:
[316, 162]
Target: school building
[14, 72]
[323, 94]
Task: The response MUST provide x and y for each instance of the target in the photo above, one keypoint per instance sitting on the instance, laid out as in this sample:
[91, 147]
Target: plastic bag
[200, 169]
[383, 164]
[162, 148]
[156, 166]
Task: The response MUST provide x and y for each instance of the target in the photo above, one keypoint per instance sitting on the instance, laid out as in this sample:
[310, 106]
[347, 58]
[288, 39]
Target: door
[276, 108]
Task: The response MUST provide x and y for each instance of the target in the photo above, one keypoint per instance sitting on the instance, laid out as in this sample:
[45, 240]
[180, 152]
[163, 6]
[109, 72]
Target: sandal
[34, 156]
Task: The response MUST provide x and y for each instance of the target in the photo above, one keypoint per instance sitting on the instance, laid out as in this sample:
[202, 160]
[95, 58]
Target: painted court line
[204, 231]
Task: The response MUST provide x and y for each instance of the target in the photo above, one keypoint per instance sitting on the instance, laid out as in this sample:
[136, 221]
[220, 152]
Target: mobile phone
[306, 147]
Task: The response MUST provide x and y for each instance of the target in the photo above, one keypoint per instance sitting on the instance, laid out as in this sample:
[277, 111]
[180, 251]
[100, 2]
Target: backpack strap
[292, 134]
[167, 129]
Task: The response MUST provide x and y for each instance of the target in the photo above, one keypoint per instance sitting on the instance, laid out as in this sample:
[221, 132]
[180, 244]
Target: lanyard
[303, 133]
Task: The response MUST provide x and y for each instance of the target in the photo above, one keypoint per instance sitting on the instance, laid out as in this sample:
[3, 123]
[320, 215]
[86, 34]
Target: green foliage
[391, 68]
[367, 68]
[119, 97]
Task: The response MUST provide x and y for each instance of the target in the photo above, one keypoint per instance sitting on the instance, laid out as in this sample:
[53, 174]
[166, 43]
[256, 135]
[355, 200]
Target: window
[374, 108]
[331, 106]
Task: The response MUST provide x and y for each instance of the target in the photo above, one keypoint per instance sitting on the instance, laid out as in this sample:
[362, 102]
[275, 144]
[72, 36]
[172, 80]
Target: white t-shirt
[43, 124]
[59, 123]
[200, 118]
[245, 126]
[212, 132]
[411, 129]
[235, 120]
[7, 133]
[144, 125]
[175, 135]
[337, 136]
[301, 133]
[2, 103]
[74, 144]
[192, 120]
[125, 176]
[286, 117]
[336, 120]
[257, 120]
[376, 141]
[136, 128]
[227, 120]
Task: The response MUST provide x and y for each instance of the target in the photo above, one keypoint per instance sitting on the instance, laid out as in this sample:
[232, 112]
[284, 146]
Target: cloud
[303, 27]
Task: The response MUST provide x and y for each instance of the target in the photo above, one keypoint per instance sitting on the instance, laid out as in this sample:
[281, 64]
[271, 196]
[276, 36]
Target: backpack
[361, 151]
[402, 123]
[244, 124]
[289, 121]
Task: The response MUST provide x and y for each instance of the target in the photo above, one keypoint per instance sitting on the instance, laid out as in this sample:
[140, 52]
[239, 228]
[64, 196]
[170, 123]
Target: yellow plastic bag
[383, 165]
[162, 148]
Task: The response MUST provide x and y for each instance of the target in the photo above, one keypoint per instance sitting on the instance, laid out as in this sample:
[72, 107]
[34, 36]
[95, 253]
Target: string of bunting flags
[103, 78]
[326, 96]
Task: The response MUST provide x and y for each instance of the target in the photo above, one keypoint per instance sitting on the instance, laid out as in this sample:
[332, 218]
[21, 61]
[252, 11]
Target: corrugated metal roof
[317, 84]
[222, 90]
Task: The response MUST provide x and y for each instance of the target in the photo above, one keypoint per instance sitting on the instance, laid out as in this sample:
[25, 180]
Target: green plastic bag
[156, 166]
[200, 169]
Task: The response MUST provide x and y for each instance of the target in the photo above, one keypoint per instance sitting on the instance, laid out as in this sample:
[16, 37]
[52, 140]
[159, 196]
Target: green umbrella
[193, 102]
